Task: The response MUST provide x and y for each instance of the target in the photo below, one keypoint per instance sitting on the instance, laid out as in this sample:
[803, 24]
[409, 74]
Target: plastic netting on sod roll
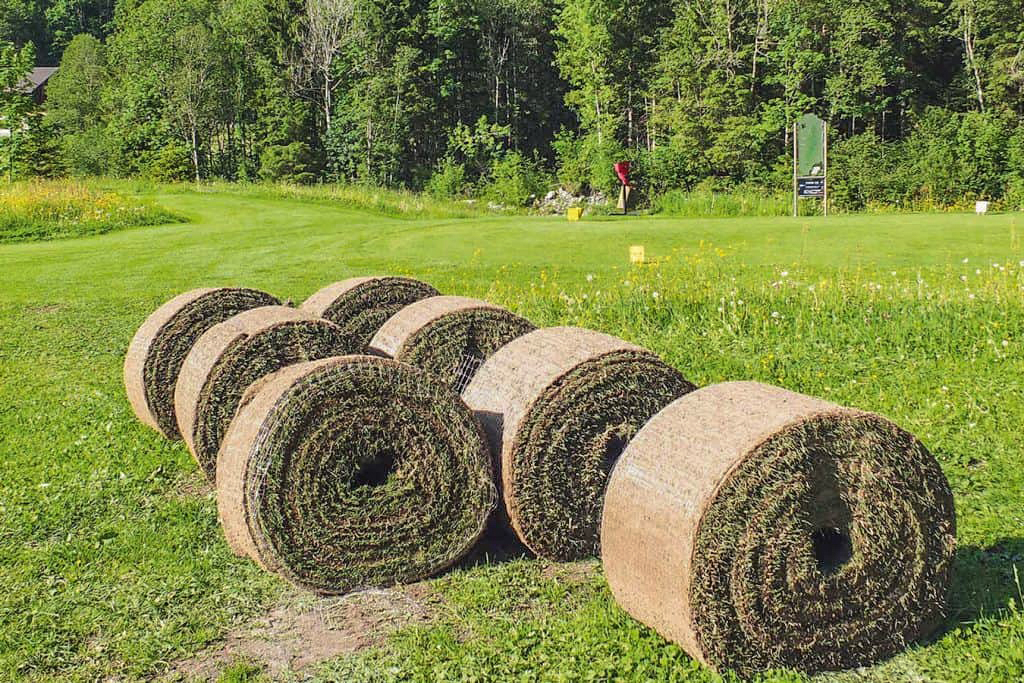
[354, 472]
[759, 528]
[558, 406]
[235, 353]
[160, 345]
[449, 336]
[361, 305]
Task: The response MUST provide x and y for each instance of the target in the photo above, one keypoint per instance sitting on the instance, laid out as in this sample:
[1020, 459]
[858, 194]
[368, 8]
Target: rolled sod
[759, 528]
[558, 406]
[160, 345]
[449, 336]
[235, 353]
[360, 305]
[354, 472]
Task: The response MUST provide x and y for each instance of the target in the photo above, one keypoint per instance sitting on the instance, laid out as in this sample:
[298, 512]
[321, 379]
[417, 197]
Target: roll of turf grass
[160, 345]
[361, 305]
[235, 353]
[759, 528]
[558, 406]
[448, 336]
[354, 472]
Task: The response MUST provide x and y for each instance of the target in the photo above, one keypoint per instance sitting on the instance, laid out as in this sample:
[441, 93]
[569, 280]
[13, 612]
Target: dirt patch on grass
[580, 571]
[302, 630]
[190, 486]
[46, 309]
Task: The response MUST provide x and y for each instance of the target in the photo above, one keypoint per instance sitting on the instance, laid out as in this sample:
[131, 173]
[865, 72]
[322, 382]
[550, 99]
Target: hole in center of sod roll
[614, 444]
[832, 549]
[375, 470]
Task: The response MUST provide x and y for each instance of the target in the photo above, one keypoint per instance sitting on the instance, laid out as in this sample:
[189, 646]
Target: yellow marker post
[575, 213]
[637, 255]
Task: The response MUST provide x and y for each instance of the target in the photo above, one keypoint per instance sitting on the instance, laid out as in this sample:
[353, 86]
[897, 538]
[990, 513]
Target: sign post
[810, 161]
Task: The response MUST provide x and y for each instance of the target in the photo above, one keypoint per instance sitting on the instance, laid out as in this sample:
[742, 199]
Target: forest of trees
[925, 98]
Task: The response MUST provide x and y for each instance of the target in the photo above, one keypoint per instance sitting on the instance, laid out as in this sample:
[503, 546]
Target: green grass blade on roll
[558, 406]
[449, 336]
[761, 529]
[354, 472]
[235, 353]
[361, 305]
[162, 342]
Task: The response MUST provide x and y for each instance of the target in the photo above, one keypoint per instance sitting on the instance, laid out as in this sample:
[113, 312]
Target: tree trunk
[327, 101]
[969, 49]
[195, 152]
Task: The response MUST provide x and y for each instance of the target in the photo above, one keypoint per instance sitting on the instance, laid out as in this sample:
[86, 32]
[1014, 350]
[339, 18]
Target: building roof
[37, 77]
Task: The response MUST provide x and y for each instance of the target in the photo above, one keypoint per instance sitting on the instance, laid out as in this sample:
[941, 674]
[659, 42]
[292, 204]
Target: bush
[515, 180]
[86, 152]
[38, 152]
[292, 163]
[170, 163]
[1014, 197]
[448, 181]
[672, 166]
[981, 150]
[586, 164]
[863, 170]
[931, 155]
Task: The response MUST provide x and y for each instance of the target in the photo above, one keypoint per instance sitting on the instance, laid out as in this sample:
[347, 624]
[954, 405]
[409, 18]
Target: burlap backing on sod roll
[160, 345]
[354, 472]
[558, 406]
[235, 353]
[360, 305]
[449, 336]
[760, 528]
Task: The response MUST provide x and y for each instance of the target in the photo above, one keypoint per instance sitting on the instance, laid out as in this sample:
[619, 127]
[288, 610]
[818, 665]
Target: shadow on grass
[984, 581]
[498, 544]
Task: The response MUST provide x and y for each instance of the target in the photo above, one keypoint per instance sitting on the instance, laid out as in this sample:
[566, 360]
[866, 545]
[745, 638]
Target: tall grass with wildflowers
[735, 202]
[395, 203]
[49, 209]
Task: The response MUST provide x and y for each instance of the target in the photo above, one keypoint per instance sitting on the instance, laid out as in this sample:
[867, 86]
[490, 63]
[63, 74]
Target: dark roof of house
[37, 77]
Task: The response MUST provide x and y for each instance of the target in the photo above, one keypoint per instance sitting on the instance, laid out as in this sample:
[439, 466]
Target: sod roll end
[558, 406]
[353, 472]
[759, 528]
[360, 305]
[160, 345]
[235, 353]
[449, 336]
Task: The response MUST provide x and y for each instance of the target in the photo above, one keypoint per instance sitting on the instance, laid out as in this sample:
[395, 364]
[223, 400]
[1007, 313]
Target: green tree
[15, 107]
[75, 105]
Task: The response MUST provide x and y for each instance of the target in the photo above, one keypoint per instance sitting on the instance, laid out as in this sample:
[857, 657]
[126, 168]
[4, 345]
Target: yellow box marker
[574, 214]
[637, 255]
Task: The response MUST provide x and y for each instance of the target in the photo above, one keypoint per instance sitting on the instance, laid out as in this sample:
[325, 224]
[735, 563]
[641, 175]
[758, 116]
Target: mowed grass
[111, 562]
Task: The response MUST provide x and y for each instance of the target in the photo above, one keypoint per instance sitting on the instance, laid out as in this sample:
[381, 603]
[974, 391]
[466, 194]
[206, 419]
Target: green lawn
[112, 565]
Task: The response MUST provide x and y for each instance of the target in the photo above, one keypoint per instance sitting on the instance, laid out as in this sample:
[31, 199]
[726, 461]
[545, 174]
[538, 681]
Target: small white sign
[5, 132]
[980, 207]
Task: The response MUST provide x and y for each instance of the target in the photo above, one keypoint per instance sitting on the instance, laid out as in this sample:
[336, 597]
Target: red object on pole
[622, 170]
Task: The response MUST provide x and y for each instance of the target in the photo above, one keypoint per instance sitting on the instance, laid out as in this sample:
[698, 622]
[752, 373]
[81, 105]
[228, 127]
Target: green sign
[810, 143]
